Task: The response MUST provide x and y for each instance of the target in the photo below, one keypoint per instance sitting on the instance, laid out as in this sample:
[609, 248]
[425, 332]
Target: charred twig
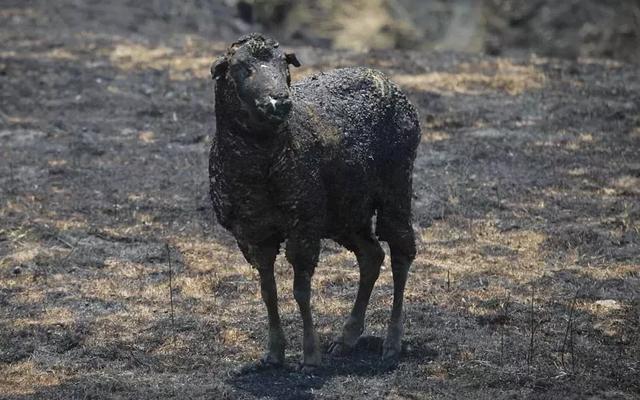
[12, 179]
[139, 361]
[173, 326]
[572, 351]
[61, 240]
[532, 328]
[502, 329]
[568, 330]
[68, 255]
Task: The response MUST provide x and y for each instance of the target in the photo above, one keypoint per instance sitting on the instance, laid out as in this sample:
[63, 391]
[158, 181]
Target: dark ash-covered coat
[314, 160]
[346, 150]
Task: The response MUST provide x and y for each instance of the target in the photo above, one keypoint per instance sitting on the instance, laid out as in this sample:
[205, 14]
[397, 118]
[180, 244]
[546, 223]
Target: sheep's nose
[280, 104]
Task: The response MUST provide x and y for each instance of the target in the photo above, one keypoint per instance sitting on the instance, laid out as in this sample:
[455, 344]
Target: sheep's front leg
[303, 256]
[262, 257]
[277, 341]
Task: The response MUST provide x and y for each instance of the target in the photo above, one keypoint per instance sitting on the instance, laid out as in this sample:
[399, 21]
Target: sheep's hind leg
[370, 257]
[394, 227]
[402, 248]
[303, 255]
[263, 258]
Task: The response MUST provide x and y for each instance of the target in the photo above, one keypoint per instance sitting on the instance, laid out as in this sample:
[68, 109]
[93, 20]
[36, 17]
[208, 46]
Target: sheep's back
[358, 110]
[357, 127]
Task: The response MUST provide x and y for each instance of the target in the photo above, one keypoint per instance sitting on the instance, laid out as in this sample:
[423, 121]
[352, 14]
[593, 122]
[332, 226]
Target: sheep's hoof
[390, 357]
[307, 369]
[338, 348]
[265, 363]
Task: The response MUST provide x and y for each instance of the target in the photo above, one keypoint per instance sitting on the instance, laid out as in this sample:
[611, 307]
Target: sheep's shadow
[289, 383]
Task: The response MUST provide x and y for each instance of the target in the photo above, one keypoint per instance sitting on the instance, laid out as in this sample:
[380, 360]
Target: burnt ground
[527, 209]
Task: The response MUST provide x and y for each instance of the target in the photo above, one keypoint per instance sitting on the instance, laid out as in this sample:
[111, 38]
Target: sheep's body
[347, 150]
[314, 160]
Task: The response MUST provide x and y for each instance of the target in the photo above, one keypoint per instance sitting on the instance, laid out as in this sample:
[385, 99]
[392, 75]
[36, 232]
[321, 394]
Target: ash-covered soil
[115, 281]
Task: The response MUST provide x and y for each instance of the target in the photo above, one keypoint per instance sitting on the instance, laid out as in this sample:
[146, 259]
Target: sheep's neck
[240, 142]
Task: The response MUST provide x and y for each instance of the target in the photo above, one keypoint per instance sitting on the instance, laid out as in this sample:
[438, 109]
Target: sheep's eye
[243, 70]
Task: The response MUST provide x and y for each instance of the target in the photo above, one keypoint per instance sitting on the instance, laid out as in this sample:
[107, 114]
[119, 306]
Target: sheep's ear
[219, 67]
[292, 59]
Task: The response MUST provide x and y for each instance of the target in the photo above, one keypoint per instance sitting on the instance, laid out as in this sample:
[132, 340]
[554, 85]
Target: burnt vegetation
[526, 217]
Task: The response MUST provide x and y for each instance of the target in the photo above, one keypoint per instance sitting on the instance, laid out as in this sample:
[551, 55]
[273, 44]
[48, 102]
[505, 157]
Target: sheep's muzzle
[275, 107]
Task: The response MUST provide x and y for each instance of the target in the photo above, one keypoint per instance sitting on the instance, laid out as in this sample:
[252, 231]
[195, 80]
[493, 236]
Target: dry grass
[500, 75]
[525, 183]
[186, 63]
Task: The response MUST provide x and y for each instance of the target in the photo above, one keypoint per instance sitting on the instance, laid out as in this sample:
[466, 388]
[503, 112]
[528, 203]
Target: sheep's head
[258, 70]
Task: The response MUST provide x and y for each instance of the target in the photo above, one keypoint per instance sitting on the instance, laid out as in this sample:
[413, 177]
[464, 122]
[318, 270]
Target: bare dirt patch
[527, 282]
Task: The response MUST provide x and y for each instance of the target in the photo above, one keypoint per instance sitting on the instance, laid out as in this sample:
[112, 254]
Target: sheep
[310, 161]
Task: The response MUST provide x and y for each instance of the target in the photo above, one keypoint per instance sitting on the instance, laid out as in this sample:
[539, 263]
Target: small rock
[505, 226]
[17, 270]
[57, 171]
[609, 305]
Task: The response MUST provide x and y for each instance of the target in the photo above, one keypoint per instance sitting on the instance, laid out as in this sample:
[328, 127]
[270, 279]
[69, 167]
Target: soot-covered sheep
[316, 159]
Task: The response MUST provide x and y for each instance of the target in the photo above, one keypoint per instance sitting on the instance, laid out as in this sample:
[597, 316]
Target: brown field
[116, 282]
